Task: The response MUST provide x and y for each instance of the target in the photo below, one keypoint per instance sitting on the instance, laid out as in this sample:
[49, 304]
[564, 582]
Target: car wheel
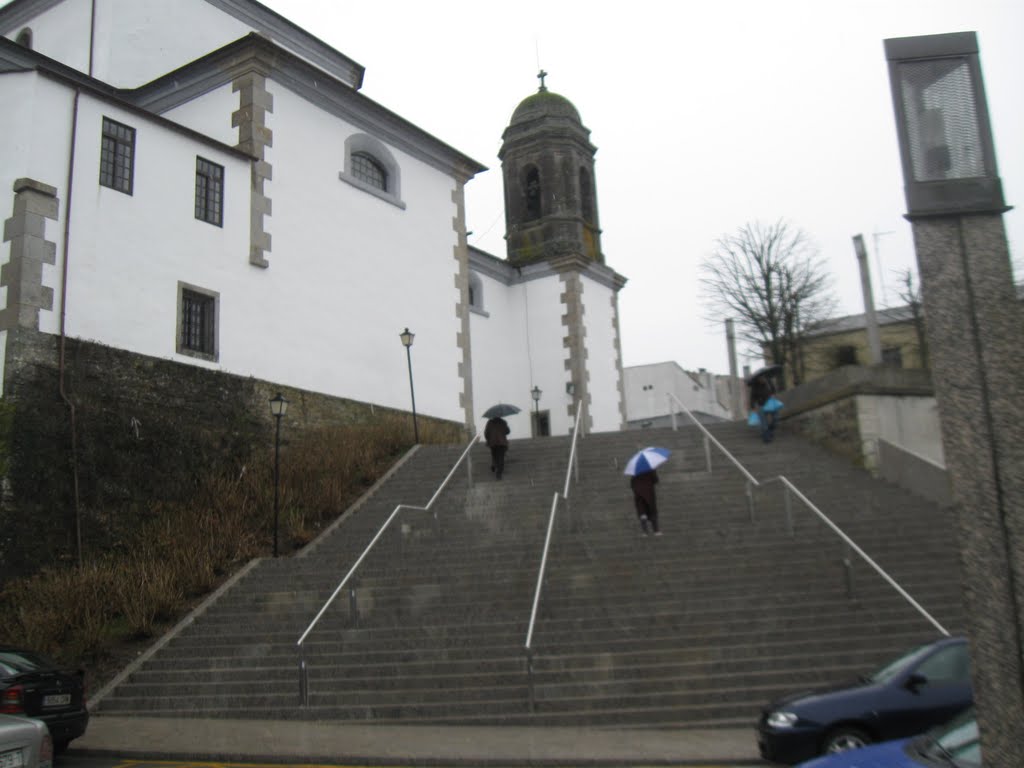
[843, 738]
[60, 747]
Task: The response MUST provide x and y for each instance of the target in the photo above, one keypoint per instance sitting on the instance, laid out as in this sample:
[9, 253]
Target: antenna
[878, 263]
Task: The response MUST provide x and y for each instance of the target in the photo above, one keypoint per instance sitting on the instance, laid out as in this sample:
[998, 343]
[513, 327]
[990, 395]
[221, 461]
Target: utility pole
[878, 264]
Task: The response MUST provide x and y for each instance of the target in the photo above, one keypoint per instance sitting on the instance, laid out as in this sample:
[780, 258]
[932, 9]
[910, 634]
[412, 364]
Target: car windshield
[15, 662]
[893, 668]
[956, 742]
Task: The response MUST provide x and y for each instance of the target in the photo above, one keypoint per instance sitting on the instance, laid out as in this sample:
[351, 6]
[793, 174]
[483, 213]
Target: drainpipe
[63, 325]
[61, 367]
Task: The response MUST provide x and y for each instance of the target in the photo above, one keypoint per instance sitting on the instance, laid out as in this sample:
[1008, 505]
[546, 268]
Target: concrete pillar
[974, 325]
[870, 319]
[734, 382]
[22, 275]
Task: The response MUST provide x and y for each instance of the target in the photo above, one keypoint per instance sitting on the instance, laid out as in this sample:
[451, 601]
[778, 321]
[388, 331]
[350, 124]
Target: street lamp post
[407, 336]
[955, 205]
[535, 393]
[278, 408]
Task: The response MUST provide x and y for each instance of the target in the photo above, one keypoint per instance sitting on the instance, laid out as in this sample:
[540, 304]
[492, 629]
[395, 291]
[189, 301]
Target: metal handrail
[303, 681]
[573, 465]
[751, 480]
[708, 436]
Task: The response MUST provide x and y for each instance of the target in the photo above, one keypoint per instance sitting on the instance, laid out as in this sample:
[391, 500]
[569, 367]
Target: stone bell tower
[547, 163]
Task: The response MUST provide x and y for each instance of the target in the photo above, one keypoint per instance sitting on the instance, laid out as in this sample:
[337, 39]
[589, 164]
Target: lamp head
[278, 405]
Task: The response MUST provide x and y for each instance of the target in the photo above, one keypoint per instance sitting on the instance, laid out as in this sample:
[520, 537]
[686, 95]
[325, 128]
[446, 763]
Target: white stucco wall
[62, 33]
[360, 269]
[647, 388]
[210, 114]
[499, 353]
[347, 272]
[602, 359]
[546, 351]
[911, 423]
[128, 252]
[140, 40]
[517, 346]
[36, 145]
[518, 343]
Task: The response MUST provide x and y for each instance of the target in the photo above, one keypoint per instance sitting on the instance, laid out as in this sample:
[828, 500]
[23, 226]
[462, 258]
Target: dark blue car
[919, 690]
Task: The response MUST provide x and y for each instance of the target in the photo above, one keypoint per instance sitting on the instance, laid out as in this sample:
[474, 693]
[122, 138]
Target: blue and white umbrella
[646, 460]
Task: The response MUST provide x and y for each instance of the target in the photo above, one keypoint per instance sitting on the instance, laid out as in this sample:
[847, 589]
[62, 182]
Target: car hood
[888, 754]
[815, 696]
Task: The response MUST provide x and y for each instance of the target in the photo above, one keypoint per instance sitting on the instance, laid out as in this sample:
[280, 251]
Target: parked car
[25, 743]
[31, 685]
[921, 689]
[953, 745]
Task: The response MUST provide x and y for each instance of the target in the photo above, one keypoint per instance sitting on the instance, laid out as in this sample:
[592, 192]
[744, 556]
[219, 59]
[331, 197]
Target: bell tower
[547, 164]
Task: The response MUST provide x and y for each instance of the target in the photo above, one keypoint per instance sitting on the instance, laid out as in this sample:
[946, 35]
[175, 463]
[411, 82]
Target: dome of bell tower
[547, 164]
[543, 104]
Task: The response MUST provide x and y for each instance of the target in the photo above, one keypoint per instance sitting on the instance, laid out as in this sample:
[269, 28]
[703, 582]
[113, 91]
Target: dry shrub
[64, 613]
[185, 549]
[148, 592]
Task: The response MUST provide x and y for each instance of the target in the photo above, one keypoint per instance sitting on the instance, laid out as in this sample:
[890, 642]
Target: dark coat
[761, 389]
[643, 485]
[496, 432]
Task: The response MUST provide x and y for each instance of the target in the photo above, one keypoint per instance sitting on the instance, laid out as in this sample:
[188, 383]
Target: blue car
[919, 690]
[954, 745]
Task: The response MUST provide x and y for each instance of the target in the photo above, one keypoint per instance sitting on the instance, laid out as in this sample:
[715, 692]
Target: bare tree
[912, 296]
[771, 280]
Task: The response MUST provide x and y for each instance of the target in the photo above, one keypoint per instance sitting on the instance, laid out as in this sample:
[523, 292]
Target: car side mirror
[915, 681]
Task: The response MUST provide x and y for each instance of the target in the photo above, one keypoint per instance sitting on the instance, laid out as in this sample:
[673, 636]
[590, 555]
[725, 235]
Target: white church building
[203, 181]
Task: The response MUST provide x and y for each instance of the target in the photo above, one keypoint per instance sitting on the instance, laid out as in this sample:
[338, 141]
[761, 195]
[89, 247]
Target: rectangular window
[892, 356]
[117, 156]
[197, 323]
[209, 192]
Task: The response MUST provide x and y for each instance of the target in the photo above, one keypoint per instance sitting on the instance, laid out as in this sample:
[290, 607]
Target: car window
[893, 668]
[958, 740]
[947, 665]
[13, 662]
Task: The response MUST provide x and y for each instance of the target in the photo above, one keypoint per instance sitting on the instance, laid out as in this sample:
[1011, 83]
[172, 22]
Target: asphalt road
[71, 760]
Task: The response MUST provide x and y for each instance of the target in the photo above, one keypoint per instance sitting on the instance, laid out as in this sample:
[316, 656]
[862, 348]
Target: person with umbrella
[643, 478]
[762, 389]
[496, 435]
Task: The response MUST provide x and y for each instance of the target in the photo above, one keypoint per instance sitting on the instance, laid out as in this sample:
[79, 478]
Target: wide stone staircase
[743, 599]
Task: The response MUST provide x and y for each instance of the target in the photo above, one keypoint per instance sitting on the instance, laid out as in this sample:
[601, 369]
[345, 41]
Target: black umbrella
[499, 410]
[768, 370]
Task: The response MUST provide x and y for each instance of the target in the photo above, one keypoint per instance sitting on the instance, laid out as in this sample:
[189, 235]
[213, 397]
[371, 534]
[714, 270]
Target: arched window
[370, 166]
[366, 168]
[531, 189]
[586, 197]
[24, 38]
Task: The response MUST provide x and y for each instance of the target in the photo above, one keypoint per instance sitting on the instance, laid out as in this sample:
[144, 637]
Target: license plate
[12, 759]
[56, 700]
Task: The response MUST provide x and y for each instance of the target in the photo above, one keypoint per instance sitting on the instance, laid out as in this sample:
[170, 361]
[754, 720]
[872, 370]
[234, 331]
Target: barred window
[366, 168]
[117, 155]
[531, 187]
[197, 324]
[209, 192]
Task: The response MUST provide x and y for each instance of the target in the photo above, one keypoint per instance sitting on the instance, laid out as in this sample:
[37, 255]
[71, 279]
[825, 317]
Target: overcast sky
[706, 115]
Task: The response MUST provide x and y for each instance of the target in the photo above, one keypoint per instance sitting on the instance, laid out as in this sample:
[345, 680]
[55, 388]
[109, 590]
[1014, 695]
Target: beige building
[844, 341]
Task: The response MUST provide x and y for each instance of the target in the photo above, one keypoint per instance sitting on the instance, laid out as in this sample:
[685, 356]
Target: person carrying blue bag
[764, 406]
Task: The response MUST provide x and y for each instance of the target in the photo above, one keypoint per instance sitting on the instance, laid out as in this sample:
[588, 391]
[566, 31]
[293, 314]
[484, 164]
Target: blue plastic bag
[773, 405]
[753, 420]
